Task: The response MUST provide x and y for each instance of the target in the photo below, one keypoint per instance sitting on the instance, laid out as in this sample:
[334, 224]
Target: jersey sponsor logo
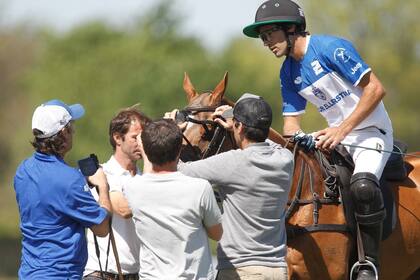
[318, 93]
[355, 68]
[298, 80]
[340, 54]
[334, 101]
[316, 66]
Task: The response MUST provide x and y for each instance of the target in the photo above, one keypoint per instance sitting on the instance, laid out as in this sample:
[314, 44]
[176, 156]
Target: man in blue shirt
[54, 200]
[328, 72]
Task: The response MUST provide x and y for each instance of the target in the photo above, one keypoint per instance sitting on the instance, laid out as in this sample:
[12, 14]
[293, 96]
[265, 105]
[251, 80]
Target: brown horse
[320, 247]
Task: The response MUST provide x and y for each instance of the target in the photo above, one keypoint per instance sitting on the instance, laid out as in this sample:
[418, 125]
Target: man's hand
[99, 179]
[172, 116]
[306, 141]
[217, 117]
[329, 137]
[147, 165]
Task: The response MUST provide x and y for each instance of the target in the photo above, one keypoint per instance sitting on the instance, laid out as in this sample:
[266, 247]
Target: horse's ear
[189, 88]
[219, 90]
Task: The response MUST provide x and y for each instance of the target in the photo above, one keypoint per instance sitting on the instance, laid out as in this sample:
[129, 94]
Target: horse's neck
[275, 136]
[413, 168]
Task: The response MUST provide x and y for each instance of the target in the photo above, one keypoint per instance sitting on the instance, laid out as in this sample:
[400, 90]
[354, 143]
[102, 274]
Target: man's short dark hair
[53, 145]
[162, 140]
[120, 124]
[256, 134]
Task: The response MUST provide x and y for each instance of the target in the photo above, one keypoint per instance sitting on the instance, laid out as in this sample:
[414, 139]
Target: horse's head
[201, 137]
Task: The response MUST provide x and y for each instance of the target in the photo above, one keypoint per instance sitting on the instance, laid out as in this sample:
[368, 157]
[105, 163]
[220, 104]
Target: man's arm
[291, 124]
[214, 169]
[120, 205]
[373, 93]
[212, 218]
[147, 165]
[99, 180]
[215, 232]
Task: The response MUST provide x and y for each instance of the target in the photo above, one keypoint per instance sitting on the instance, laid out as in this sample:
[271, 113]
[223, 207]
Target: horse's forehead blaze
[193, 133]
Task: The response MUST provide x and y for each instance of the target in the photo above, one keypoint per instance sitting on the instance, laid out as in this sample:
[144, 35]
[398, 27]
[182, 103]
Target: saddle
[342, 163]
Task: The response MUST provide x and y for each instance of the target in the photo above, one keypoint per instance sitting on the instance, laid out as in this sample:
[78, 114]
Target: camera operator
[55, 204]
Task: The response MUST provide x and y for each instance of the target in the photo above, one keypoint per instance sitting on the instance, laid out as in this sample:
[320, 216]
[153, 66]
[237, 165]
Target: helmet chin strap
[289, 43]
[289, 46]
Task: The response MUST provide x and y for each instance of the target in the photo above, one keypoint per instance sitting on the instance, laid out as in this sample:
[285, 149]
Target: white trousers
[372, 161]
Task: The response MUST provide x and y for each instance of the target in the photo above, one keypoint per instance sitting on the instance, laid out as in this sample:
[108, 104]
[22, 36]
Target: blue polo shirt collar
[48, 158]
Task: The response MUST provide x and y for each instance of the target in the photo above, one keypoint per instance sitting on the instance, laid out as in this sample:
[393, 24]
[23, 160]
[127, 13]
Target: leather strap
[294, 231]
[98, 254]
[114, 249]
[360, 250]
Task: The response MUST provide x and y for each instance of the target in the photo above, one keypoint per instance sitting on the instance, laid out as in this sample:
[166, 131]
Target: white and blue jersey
[328, 76]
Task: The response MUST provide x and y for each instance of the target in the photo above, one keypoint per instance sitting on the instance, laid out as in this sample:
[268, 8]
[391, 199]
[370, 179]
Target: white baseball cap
[53, 115]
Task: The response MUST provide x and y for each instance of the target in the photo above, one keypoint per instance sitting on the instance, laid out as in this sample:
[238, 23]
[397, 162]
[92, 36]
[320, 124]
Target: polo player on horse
[328, 72]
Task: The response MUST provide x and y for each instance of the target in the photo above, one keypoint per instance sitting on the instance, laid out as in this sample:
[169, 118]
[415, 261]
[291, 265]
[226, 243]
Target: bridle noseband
[216, 135]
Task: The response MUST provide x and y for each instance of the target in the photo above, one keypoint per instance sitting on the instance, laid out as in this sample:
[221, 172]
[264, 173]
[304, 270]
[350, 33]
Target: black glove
[306, 141]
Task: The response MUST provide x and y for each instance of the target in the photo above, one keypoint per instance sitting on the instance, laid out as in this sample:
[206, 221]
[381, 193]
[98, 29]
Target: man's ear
[241, 127]
[117, 138]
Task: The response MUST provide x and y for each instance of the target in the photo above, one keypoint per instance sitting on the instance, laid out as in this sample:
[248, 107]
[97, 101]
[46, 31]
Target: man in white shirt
[123, 131]
[173, 213]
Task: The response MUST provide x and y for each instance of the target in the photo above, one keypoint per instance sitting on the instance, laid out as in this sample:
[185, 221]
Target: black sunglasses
[267, 33]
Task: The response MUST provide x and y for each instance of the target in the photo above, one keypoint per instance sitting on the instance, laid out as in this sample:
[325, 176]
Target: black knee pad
[367, 197]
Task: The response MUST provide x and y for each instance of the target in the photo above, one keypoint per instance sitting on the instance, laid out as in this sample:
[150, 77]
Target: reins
[216, 137]
[316, 200]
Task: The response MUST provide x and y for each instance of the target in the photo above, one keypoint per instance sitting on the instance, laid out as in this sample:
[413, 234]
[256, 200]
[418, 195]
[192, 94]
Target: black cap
[251, 110]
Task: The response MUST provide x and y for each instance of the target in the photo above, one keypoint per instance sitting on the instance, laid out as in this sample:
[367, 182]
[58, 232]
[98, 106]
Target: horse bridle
[294, 230]
[216, 136]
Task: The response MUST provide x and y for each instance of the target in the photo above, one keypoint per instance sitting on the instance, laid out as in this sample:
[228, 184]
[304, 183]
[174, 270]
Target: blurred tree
[16, 55]
[386, 34]
[105, 70]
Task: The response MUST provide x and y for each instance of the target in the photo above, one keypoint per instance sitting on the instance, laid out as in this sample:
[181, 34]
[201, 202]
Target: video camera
[89, 165]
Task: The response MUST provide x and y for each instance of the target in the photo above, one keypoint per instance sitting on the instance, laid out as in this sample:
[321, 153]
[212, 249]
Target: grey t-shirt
[254, 184]
[170, 211]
